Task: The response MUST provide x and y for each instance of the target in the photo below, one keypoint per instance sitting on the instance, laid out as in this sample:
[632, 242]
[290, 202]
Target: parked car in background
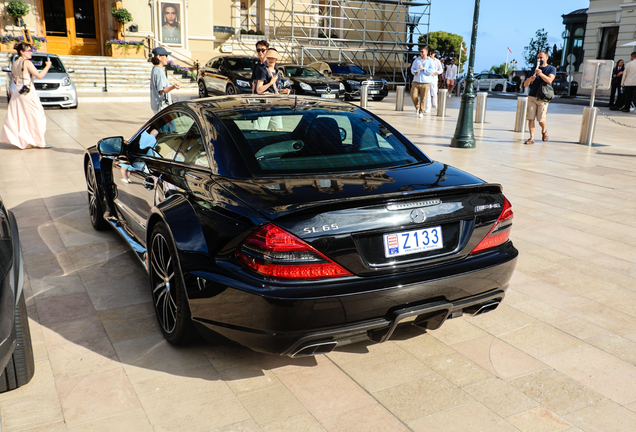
[16, 353]
[228, 75]
[326, 228]
[55, 89]
[306, 80]
[352, 77]
[496, 82]
[561, 84]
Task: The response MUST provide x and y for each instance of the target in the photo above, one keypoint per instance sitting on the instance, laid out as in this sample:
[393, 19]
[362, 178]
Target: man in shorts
[451, 76]
[537, 108]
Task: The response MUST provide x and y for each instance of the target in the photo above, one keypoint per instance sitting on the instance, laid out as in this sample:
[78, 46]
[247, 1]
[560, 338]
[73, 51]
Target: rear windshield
[56, 64]
[240, 64]
[338, 68]
[316, 140]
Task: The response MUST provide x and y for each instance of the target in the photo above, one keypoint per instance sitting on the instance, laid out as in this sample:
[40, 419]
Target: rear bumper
[314, 325]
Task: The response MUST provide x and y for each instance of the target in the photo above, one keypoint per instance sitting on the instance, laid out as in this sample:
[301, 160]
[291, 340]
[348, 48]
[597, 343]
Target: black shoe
[625, 110]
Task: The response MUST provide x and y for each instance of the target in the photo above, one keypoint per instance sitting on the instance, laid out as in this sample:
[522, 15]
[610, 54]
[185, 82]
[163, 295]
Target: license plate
[44, 94]
[410, 242]
[374, 91]
[329, 96]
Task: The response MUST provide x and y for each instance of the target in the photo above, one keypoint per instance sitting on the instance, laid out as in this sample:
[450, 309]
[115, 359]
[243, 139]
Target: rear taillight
[500, 231]
[277, 253]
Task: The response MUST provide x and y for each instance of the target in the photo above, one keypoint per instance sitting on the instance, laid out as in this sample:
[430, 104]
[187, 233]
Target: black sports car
[306, 80]
[353, 77]
[294, 224]
[16, 354]
[228, 75]
[561, 85]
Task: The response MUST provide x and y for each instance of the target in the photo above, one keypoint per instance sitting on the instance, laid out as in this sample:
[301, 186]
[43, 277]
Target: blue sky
[502, 24]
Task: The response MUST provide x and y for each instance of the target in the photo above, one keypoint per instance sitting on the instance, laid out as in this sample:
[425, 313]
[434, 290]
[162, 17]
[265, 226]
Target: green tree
[555, 56]
[537, 44]
[501, 69]
[446, 44]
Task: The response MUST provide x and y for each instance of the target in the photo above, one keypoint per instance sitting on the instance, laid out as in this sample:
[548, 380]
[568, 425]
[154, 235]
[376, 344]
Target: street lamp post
[464, 136]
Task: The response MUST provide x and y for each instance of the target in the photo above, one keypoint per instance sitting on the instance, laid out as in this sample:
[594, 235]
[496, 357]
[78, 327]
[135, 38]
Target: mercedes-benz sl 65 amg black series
[294, 225]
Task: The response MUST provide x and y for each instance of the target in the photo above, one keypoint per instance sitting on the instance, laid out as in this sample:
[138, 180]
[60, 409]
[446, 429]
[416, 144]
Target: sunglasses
[261, 50]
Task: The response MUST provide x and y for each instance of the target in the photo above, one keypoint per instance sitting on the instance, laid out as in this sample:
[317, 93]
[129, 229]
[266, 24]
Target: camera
[25, 89]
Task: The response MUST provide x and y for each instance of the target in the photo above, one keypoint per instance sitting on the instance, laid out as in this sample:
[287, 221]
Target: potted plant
[122, 16]
[122, 48]
[18, 9]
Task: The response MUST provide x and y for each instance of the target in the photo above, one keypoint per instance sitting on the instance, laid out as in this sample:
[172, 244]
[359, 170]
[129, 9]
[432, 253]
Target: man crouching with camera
[25, 124]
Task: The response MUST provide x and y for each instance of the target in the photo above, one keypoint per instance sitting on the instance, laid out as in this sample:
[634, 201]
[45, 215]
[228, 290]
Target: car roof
[238, 102]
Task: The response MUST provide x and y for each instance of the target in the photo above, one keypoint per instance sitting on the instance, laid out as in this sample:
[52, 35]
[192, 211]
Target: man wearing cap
[160, 87]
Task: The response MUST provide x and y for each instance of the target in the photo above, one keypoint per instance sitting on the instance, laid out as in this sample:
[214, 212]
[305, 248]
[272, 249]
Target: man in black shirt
[261, 49]
[537, 108]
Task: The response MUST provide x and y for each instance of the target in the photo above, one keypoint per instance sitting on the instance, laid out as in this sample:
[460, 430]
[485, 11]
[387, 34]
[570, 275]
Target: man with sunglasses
[422, 69]
[261, 49]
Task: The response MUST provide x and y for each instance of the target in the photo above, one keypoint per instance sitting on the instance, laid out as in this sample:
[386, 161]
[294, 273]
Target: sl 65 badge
[323, 228]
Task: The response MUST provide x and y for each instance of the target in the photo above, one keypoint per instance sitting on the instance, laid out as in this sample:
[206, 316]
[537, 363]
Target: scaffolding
[381, 36]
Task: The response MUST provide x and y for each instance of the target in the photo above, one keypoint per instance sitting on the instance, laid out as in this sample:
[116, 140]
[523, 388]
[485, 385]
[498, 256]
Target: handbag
[545, 93]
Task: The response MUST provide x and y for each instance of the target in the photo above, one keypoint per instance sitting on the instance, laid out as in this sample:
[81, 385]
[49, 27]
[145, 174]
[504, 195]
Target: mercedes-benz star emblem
[328, 90]
[418, 215]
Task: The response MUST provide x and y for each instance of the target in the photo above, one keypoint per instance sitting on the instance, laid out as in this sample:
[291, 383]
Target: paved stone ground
[558, 355]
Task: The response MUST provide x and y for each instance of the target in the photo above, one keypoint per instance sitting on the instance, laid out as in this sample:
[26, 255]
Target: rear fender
[185, 228]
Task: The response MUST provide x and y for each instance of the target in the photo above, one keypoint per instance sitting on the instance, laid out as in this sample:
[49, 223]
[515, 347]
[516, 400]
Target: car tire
[203, 91]
[499, 87]
[378, 98]
[21, 366]
[95, 209]
[230, 90]
[168, 289]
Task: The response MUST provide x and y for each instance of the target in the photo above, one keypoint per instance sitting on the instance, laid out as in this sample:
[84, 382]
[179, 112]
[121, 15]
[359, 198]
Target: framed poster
[171, 21]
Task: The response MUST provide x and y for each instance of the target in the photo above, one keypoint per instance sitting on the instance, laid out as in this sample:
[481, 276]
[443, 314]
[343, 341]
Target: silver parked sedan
[55, 89]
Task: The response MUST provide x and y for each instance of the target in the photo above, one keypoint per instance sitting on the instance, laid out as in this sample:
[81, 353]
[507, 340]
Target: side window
[164, 136]
[192, 149]
[217, 63]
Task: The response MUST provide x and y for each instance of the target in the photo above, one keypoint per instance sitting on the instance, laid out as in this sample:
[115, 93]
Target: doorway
[71, 26]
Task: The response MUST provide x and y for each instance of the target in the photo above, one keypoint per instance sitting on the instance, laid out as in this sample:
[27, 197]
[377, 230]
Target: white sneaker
[449, 95]
[427, 111]
[420, 115]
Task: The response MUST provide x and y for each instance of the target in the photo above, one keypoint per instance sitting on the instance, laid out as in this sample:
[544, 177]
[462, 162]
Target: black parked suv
[228, 75]
[352, 78]
[306, 80]
[560, 85]
[16, 353]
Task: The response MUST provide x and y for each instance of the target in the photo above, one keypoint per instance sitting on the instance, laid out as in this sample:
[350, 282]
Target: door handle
[149, 183]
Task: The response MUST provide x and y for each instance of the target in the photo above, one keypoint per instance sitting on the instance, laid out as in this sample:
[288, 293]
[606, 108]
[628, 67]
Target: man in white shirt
[431, 101]
[422, 69]
[629, 83]
[451, 75]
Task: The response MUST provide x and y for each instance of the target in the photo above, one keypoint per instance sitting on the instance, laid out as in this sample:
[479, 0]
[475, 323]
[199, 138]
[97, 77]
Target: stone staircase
[122, 74]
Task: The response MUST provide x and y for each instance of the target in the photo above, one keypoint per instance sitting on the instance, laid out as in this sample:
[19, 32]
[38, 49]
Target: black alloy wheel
[230, 90]
[499, 87]
[203, 91]
[95, 209]
[168, 294]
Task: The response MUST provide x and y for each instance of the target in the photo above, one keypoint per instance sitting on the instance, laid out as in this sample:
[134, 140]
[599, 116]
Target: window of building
[607, 47]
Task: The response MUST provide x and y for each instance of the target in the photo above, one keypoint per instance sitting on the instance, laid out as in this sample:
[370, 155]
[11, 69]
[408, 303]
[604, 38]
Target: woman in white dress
[25, 124]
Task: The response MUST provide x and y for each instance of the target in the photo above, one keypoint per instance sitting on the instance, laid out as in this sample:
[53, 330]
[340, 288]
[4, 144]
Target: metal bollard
[480, 110]
[489, 85]
[364, 95]
[105, 81]
[442, 95]
[399, 98]
[477, 85]
[520, 118]
[588, 125]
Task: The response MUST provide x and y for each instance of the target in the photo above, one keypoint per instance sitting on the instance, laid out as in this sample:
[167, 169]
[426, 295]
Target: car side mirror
[110, 146]
[6, 69]
[70, 70]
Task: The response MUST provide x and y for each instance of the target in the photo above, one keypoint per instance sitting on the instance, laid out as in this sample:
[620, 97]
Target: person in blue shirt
[537, 108]
[423, 70]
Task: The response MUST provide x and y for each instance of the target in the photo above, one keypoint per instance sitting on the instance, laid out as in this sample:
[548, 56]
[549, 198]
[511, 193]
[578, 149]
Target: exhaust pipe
[482, 308]
[313, 349]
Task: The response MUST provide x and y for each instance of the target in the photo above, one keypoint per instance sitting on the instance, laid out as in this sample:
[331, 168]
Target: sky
[502, 24]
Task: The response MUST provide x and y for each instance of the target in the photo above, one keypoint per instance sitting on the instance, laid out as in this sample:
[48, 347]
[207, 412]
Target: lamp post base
[464, 136]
